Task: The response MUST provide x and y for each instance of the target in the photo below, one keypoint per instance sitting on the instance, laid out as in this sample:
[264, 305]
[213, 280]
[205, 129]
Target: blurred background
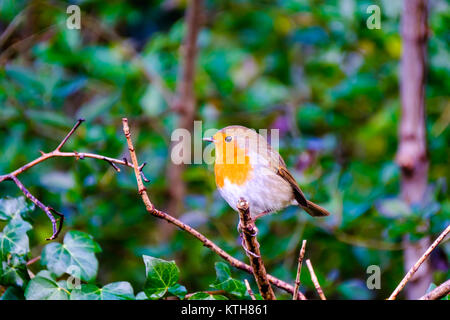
[311, 69]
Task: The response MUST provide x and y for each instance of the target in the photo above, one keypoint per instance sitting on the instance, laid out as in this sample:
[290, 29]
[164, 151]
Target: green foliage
[207, 296]
[77, 251]
[11, 208]
[113, 291]
[74, 261]
[160, 276]
[312, 70]
[45, 287]
[225, 282]
[14, 239]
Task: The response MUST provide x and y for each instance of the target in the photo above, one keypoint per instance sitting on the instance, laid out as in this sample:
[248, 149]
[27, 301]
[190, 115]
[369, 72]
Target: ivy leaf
[76, 256]
[12, 293]
[224, 281]
[178, 291]
[161, 275]
[14, 208]
[206, 296]
[114, 291]
[44, 287]
[142, 296]
[14, 239]
[14, 272]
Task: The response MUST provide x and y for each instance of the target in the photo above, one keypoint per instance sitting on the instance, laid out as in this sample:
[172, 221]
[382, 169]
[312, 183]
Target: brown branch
[438, 293]
[249, 289]
[419, 262]
[314, 280]
[251, 246]
[299, 270]
[57, 153]
[206, 242]
[48, 210]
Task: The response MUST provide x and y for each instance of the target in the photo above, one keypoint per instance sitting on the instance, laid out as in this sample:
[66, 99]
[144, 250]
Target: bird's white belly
[267, 193]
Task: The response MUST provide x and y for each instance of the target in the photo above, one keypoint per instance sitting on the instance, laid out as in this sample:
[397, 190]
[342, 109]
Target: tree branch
[57, 153]
[299, 270]
[249, 289]
[419, 262]
[438, 293]
[251, 246]
[184, 103]
[206, 242]
[314, 280]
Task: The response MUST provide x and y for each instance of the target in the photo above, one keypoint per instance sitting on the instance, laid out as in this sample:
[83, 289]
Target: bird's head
[234, 143]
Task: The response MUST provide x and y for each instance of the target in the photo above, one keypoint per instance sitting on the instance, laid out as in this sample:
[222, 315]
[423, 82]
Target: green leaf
[12, 293]
[114, 291]
[14, 272]
[14, 239]
[76, 256]
[178, 291]
[161, 275]
[206, 296]
[44, 287]
[14, 208]
[142, 296]
[224, 281]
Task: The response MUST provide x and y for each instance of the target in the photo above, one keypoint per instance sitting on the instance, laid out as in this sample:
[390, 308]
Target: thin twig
[206, 242]
[249, 290]
[419, 262]
[12, 26]
[314, 280]
[299, 270]
[79, 121]
[438, 292]
[57, 153]
[31, 261]
[251, 244]
[45, 208]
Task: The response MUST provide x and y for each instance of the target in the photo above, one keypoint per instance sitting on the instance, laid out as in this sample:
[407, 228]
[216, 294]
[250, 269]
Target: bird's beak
[210, 139]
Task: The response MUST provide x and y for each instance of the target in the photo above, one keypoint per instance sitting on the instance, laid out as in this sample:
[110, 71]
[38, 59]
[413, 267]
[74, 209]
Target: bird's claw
[246, 250]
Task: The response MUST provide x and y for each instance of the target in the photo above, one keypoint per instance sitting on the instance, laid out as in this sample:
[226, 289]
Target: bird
[246, 166]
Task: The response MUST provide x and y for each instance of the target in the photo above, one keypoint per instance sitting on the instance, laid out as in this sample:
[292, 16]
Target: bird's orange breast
[232, 164]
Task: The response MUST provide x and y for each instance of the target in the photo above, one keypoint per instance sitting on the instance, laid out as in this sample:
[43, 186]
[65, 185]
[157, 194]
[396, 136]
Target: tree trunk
[412, 151]
[184, 103]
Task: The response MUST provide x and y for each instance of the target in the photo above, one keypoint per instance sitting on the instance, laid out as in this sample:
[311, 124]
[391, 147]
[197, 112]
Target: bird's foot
[262, 214]
[246, 250]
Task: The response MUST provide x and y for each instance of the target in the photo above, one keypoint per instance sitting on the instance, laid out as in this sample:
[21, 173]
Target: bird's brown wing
[298, 194]
[310, 207]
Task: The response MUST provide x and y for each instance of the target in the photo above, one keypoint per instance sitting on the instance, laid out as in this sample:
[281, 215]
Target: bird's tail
[314, 209]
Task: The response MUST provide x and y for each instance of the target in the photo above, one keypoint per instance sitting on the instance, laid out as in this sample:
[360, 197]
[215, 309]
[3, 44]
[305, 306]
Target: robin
[247, 167]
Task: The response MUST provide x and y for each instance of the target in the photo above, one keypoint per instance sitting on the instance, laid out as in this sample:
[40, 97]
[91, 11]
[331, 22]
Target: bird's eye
[228, 138]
